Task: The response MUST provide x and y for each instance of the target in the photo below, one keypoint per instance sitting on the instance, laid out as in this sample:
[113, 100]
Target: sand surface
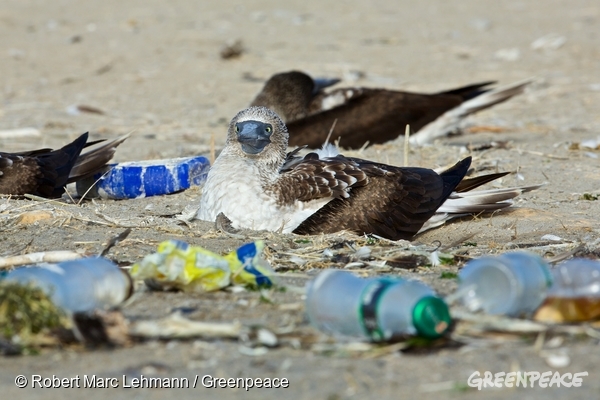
[154, 69]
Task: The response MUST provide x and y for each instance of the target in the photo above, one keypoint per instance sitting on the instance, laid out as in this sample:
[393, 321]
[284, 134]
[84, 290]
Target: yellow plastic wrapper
[178, 265]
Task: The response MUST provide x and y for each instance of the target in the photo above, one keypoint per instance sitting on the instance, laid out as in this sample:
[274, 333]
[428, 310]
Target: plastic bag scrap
[178, 265]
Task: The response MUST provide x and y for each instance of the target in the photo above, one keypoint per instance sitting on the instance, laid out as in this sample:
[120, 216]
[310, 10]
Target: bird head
[258, 132]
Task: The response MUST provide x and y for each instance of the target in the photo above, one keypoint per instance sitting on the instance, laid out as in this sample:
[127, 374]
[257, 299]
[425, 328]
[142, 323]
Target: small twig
[212, 149]
[92, 186]
[538, 153]
[565, 255]
[458, 241]
[176, 326]
[44, 200]
[364, 146]
[385, 350]
[114, 221]
[36, 258]
[69, 194]
[330, 132]
[406, 144]
[91, 221]
[114, 241]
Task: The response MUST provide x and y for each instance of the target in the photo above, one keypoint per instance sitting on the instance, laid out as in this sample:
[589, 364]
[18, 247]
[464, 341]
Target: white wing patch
[337, 98]
[333, 100]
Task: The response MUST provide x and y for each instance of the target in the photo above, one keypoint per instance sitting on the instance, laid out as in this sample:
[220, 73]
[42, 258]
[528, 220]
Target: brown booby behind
[45, 172]
[256, 185]
[370, 115]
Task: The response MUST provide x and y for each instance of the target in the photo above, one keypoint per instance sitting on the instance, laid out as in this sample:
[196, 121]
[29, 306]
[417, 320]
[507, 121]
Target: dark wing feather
[469, 91]
[39, 172]
[471, 183]
[376, 116]
[395, 204]
[360, 115]
[314, 178]
[291, 159]
[93, 161]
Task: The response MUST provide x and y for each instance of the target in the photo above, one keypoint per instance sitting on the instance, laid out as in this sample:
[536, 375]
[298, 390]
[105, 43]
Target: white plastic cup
[511, 284]
[376, 309]
[78, 285]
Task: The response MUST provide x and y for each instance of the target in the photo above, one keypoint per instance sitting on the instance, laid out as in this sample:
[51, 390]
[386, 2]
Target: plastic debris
[376, 309]
[132, 180]
[552, 238]
[575, 294]
[79, 285]
[177, 265]
[511, 284]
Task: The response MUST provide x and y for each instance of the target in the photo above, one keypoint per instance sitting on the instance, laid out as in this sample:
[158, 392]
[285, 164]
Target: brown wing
[313, 178]
[471, 183]
[376, 116]
[39, 172]
[20, 175]
[395, 204]
[93, 161]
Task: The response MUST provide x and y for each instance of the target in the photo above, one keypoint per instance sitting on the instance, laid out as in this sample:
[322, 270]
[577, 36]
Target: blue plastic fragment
[151, 178]
[246, 252]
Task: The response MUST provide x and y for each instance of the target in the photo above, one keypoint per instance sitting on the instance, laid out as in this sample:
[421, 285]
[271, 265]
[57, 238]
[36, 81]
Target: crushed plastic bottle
[376, 309]
[575, 293]
[79, 285]
[512, 284]
[178, 265]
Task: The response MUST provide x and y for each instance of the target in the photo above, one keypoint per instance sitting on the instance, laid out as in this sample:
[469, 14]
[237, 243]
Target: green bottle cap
[431, 317]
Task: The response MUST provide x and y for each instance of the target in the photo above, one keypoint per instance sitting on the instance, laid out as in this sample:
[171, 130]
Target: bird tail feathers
[91, 162]
[468, 203]
[450, 121]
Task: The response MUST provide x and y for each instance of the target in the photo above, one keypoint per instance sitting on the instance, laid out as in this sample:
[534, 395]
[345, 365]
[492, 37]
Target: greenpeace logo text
[546, 379]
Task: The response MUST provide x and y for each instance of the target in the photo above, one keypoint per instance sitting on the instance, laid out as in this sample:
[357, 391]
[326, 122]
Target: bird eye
[237, 129]
[268, 129]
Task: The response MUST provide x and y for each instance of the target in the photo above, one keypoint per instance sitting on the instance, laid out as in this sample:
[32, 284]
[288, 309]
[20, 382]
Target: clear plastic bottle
[376, 309]
[575, 293]
[511, 284]
[78, 285]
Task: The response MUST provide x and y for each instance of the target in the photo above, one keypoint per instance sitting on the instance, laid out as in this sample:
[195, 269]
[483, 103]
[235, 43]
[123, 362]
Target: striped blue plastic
[152, 178]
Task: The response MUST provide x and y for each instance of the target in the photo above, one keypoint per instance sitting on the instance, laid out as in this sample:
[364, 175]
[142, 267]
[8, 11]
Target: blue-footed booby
[362, 115]
[255, 184]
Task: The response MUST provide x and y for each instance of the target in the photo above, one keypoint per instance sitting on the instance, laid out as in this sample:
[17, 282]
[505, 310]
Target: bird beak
[254, 136]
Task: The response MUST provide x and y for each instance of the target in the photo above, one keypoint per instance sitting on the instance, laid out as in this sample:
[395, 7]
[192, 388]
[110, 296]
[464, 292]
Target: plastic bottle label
[369, 300]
